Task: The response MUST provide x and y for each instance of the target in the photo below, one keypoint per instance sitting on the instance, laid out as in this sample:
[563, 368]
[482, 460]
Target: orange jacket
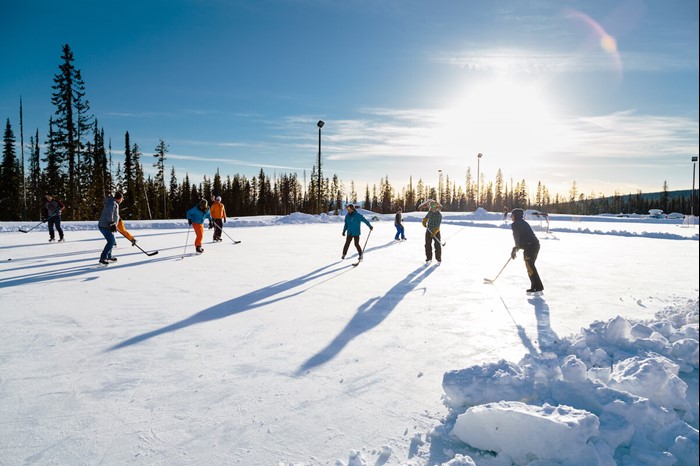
[217, 210]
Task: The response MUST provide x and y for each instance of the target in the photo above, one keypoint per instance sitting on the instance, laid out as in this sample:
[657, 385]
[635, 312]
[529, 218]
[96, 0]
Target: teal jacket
[197, 216]
[352, 223]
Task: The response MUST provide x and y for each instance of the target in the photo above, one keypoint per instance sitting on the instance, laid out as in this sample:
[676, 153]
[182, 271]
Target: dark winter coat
[398, 219]
[523, 235]
[54, 207]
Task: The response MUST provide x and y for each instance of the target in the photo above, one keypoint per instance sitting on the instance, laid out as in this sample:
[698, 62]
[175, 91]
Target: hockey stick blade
[152, 253]
[24, 231]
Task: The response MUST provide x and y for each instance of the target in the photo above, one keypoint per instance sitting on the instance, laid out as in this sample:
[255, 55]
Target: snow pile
[613, 394]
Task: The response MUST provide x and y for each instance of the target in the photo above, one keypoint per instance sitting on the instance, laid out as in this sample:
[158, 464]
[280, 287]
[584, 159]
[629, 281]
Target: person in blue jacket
[195, 217]
[353, 221]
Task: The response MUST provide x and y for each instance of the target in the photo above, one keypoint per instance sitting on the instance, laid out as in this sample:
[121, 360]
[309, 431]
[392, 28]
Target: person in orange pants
[195, 217]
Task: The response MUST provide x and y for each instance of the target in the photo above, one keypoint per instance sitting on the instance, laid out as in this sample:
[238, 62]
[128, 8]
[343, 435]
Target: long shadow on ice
[254, 299]
[368, 315]
[545, 334]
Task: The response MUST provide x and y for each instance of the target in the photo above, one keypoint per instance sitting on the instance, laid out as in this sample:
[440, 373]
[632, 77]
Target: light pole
[478, 177]
[320, 125]
[440, 186]
[692, 192]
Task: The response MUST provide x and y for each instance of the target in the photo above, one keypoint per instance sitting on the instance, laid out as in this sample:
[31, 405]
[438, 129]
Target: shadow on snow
[368, 315]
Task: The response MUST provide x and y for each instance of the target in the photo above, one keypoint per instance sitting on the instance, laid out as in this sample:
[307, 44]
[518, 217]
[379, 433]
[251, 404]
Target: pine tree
[10, 187]
[161, 191]
[72, 120]
[35, 184]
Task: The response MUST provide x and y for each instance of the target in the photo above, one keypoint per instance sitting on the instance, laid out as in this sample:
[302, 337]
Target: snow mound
[524, 432]
[612, 394]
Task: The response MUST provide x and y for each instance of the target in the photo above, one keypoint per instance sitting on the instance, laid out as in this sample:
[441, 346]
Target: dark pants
[399, 232]
[530, 255]
[349, 238]
[111, 242]
[218, 227]
[52, 222]
[429, 240]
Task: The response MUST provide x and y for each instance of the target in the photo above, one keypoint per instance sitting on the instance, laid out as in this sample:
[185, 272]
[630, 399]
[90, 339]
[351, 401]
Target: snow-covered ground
[275, 352]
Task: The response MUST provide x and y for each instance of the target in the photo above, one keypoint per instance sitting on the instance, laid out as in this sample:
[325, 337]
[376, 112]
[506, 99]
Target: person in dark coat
[54, 207]
[526, 240]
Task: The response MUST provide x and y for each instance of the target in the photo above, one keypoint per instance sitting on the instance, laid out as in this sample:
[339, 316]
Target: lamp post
[692, 192]
[478, 178]
[320, 125]
[440, 186]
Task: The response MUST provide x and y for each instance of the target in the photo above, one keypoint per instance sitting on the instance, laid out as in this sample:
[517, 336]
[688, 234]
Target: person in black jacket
[54, 207]
[526, 240]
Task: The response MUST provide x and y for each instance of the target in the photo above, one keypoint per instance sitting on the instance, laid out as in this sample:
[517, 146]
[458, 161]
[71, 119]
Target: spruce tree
[10, 187]
[160, 191]
[71, 123]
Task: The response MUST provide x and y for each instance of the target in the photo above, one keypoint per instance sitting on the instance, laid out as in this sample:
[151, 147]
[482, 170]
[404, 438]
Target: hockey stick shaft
[222, 231]
[491, 280]
[134, 244]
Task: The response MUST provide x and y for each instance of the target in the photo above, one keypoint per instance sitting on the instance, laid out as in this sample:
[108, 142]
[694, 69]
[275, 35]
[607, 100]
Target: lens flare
[605, 41]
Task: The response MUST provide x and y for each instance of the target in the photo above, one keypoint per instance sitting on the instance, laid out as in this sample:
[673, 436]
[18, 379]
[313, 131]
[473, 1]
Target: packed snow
[276, 352]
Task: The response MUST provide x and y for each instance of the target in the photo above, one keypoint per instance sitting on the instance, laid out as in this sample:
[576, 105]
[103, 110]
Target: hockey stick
[491, 280]
[222, 231]
[363, 250]
[43, 221]
[435, 237]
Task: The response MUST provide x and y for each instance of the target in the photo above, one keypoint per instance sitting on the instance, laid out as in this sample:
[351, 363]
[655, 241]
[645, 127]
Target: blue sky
[604, 93]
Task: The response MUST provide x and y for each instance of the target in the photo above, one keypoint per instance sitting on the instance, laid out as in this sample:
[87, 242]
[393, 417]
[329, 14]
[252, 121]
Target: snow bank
[612, 394]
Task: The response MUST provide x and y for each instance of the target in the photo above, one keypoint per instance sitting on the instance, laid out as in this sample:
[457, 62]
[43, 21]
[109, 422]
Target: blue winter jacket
[352, 223]
[197, 216]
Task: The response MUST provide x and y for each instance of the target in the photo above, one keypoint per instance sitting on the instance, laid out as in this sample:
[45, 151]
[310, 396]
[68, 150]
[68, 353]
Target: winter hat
[202, 204]
[352, 206]
[118, 195]
[218, 198]
[517, 214]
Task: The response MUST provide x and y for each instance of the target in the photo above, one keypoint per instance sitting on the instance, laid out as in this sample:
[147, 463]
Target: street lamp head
[320, 124]
[480, 155]
[694, 159]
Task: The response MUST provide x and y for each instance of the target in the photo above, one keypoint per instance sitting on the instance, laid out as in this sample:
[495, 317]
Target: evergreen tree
[53, 180]
[160, 191]
[10, 186]
[35, 184]
[72, 119]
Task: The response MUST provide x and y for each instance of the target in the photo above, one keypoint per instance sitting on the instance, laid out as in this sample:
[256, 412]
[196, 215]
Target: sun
[503, 117]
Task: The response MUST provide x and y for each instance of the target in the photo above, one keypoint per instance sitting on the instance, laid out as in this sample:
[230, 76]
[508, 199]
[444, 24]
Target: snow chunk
[527, 433]
[654, 377]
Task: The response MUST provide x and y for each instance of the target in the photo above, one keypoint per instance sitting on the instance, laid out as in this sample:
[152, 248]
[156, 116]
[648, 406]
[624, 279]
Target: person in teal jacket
[195, 217]
[353, 221]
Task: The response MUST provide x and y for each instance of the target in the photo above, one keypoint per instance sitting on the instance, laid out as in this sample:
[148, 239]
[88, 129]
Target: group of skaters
[523, 236]
[110, 222]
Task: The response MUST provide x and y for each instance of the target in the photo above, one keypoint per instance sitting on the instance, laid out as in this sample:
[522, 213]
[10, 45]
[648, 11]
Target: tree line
[77, 166]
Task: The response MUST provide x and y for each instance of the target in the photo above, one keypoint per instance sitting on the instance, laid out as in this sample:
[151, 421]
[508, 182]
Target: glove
[211, 225]
[112, 227]
[371, 228]
[343, 233]
[133, 242]
[514, 253]
[189, 221]
[425, 222]
[224, 220]
[436, 231]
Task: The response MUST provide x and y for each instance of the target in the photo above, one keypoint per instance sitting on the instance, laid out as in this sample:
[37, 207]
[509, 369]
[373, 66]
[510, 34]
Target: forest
[74, 164]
